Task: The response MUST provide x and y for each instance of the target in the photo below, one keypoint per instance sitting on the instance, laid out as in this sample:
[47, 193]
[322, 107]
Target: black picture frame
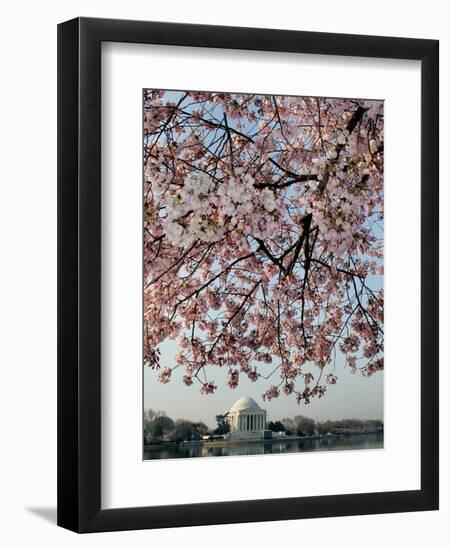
[79, 274]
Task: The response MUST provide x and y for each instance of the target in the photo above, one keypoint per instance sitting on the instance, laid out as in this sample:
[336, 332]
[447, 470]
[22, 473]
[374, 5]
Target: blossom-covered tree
[263, 238]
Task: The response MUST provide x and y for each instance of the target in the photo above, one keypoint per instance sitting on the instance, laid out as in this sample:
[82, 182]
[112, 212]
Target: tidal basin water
[343, 443]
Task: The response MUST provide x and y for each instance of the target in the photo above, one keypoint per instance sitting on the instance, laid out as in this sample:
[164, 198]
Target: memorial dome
[243, 404]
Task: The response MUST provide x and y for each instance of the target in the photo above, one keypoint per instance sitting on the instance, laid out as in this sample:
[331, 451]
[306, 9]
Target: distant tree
[150, 415]
[223, 427]
[304, 425]
[183, 430]
[348, 423]
[325, 426]
[289, 426]
[199, 429]
[159, 427]
[276, 426]
[375, 423]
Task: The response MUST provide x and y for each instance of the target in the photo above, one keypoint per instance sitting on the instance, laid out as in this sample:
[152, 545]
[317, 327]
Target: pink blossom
[272, 393]
[233, 378]
[263, 247]
[164, 375]
[208, 388]
[331, 379]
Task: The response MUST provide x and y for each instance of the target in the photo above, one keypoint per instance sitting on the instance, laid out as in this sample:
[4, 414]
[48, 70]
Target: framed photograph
[248, 275]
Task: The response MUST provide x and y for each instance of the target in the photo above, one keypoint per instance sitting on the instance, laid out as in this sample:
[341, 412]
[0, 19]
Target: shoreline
[227, 442]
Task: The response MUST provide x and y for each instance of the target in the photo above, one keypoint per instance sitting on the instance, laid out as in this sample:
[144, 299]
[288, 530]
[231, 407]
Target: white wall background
[28, 270]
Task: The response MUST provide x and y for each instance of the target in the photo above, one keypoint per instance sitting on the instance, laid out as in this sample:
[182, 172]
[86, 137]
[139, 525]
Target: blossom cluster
[263, 240]
[201, 210]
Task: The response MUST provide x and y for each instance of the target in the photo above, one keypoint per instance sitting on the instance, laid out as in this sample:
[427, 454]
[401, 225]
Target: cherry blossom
[263, 239]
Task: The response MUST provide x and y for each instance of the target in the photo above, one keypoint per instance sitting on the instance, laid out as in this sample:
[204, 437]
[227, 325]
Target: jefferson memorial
[246, 419]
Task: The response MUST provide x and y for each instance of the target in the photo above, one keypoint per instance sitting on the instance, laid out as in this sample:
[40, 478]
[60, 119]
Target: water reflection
[369, 441]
